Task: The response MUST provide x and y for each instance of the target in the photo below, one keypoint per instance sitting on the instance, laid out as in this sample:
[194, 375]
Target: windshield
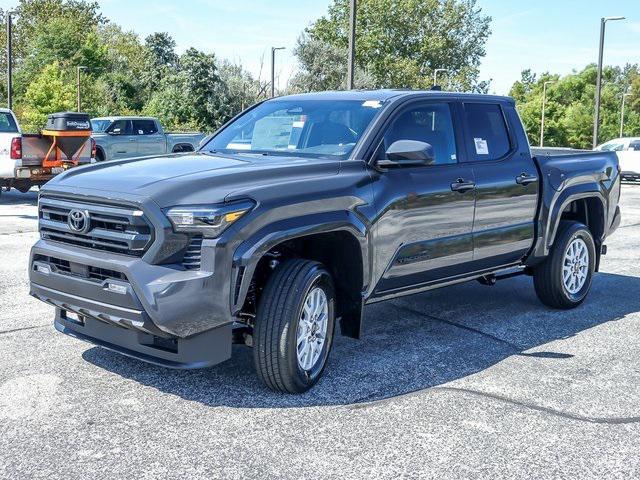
[99, 125]
[612, 146]
[7, 123]
[311, 128]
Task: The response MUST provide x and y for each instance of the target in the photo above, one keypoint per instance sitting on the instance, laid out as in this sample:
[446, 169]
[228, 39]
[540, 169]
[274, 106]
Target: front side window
[487, 134]
[310, 128]
[635, 146]
[430, 124]
[120, 127]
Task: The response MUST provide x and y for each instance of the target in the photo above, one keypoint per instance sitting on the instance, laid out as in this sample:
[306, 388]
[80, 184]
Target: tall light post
[9, 60]
[624, 95]
[435, 74]
[596, 121]
[78, 68]
[352, 45]
[273, 69]
[544, 104]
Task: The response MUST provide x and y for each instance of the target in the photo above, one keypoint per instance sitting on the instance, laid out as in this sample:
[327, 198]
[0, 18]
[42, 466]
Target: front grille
[193, 255]
[118, 229]
[72, 269]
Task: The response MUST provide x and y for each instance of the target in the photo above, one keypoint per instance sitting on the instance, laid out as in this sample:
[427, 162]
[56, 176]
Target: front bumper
[199, 351]
[161, 314]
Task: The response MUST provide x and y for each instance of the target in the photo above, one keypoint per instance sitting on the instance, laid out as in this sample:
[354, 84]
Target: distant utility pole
[596, 121]
[624, 95]
[352, 45]
[435, 74]
[9, 62]
[273, 69]
[78, 68]
[544, 104]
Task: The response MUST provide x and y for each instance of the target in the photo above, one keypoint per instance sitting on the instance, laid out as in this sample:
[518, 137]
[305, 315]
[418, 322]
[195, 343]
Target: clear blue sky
[553, 35]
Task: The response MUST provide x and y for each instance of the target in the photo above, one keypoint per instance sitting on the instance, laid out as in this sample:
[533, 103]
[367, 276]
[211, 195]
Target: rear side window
[635, 146]
[144, 127]
[487, 134]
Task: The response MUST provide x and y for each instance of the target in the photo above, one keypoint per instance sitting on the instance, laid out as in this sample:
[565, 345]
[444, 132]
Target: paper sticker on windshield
[481, 146]
[372, 103]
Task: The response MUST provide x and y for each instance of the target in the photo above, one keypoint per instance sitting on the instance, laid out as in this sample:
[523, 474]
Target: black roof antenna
[436, 88]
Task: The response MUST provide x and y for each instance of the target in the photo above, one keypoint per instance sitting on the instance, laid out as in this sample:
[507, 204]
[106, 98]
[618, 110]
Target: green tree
[46, 94]
[570, 105]
[194, 97]
[399, 43]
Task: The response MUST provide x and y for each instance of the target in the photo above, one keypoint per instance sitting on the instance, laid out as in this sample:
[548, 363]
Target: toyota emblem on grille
[79, 221]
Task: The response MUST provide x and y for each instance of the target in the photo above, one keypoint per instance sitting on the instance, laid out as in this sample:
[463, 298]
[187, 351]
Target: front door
[507, 184]
[150, 141]
[122, 141]
[424, 231]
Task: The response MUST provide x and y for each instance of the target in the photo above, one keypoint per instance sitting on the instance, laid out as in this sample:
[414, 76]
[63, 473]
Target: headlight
[206, 220]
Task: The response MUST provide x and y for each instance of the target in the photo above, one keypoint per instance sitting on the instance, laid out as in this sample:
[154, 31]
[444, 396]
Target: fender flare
[566, 197]
[251, 250]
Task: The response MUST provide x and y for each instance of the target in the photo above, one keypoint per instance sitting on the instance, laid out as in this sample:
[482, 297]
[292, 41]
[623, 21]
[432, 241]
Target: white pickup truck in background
[22, 155]
[130, 137]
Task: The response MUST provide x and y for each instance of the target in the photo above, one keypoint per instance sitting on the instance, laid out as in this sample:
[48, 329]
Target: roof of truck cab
[124, 117]
[386, 94]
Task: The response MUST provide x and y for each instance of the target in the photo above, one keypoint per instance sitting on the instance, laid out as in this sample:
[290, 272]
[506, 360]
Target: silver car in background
[130, 137]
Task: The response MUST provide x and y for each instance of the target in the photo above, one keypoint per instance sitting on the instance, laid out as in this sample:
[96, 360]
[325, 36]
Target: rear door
[506, 180]
[122, 142]
[150, 140]
[424, 231]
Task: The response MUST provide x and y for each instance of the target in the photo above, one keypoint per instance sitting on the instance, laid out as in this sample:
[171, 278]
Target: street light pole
[9, 62]
[435, 74]
[624, 95]
[352, 45]
[544, 104]
[78, 68]
[273, 69]
[596, 121]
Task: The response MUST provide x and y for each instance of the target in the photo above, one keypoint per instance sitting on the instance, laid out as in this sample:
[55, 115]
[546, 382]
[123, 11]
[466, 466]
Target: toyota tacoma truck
[302, 210]
[132, 137]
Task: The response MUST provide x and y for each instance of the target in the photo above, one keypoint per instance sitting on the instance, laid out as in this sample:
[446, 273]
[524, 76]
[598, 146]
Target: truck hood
[197, 178]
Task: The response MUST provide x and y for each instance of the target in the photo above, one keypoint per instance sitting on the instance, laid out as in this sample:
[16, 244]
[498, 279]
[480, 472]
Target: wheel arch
[182, 147]
[339, 240]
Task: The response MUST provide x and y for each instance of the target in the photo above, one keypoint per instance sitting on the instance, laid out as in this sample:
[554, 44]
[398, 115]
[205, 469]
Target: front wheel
[293, 333]
[563, 280]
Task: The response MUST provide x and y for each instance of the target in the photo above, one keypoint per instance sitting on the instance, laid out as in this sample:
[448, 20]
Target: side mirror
[115, 131]
[408, 153]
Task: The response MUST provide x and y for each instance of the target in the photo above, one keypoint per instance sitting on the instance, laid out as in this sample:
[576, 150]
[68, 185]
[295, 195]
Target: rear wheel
[563, 280]
[294, 326]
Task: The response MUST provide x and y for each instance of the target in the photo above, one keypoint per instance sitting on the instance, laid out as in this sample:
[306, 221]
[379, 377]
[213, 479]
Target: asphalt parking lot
[465, 382]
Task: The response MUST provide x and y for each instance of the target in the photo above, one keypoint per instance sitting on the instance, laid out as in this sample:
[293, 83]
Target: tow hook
[489, 280]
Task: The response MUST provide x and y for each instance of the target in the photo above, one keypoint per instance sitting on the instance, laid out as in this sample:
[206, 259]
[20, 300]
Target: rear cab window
[7, 123]
[487, 134]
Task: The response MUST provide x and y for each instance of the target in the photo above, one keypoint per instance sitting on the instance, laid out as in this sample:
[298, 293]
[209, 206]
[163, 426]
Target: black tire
[279, 311]
[548, 276]
[99, 155]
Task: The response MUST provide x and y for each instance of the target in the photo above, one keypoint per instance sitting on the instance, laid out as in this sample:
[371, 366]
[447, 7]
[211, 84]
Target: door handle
[525, 179]
[132, 139]
[462, 185]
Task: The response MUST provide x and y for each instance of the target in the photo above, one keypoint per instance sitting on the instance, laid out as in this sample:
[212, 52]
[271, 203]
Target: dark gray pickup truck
[303, 209]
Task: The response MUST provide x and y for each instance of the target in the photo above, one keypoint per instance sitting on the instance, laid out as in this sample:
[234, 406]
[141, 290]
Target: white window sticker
[372, 104]
[481, 146]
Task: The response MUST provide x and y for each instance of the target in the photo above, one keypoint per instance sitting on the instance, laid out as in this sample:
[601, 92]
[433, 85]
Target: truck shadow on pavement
[409, 344]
